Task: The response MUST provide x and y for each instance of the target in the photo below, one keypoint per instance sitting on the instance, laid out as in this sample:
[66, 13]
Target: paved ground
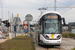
[2, 40]
[67, 44]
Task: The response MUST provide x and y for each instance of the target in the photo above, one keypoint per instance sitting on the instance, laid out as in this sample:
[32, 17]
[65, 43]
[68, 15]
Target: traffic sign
[29, 17]
[15, 28]
[25, 27]
[25, 30]
[25, 22]
[6, 22]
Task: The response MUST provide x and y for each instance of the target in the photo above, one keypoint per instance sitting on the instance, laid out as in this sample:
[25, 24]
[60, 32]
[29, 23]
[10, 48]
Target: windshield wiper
[56, 30]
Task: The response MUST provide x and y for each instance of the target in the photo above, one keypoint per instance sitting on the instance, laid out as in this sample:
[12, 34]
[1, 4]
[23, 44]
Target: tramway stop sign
[25, 30]
[25, 22]
[29, 18]
[25, 27]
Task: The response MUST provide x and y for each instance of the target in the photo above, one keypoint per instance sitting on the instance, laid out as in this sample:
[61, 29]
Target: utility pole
[11, 23]
[55, 6]
[2, 15]
[2, 11]
[8, 27]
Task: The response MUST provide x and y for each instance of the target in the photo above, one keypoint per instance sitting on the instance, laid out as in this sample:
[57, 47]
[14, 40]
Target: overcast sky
[23, 7]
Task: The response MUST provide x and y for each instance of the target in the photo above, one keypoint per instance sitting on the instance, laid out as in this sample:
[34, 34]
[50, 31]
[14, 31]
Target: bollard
[7, 37]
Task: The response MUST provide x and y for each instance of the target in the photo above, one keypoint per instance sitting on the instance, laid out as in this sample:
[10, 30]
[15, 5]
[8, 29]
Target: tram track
[47, 47]
[53, 49]
[66, 45]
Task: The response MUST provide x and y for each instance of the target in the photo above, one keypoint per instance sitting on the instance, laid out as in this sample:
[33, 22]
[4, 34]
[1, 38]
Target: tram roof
[49, 12]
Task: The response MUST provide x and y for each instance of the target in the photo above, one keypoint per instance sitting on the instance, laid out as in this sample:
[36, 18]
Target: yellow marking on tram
[52, 36]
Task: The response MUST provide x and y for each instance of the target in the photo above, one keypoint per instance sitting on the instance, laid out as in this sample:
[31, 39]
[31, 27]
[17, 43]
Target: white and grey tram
[48, 29]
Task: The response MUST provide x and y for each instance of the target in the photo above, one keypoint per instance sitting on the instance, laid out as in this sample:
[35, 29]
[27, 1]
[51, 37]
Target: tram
[48, 29]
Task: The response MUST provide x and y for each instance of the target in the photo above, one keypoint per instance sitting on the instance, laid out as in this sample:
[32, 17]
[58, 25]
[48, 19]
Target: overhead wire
[43, 7]
[45, 3]
[66, 11]
[60, 3]
[64, 7]
[49, 4]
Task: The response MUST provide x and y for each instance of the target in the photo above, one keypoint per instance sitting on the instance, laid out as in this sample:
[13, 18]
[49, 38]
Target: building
[72, 27]
[16, 21]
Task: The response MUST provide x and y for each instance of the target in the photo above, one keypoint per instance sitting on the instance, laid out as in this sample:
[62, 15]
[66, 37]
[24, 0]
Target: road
[67, 44]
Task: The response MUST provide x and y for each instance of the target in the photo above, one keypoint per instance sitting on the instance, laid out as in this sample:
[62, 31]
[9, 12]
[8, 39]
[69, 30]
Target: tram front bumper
[48, 43]
[45, 41]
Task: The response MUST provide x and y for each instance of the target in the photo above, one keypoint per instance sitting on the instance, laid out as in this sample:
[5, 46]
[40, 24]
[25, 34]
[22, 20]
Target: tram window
[51, 26]
[51, 23]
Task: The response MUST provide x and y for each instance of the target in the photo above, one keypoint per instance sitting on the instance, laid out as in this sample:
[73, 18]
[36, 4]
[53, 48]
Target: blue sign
[25, 30]
[15, 28]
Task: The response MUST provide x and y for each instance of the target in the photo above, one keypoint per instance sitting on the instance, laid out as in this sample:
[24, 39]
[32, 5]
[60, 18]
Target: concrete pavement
[2, 40]
[67, 44]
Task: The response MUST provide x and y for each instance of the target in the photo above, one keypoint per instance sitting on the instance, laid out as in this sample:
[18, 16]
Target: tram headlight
[46, 36]
[59, 36]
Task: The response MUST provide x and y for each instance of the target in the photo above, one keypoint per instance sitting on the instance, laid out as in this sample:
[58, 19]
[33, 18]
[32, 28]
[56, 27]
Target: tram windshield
[51, 26]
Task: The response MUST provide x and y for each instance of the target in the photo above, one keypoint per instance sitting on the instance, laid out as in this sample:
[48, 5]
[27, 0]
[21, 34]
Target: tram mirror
[63, 21]
[40, 23]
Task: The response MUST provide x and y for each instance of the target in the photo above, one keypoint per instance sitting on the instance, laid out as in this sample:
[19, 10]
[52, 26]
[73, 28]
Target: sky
[24, 7]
